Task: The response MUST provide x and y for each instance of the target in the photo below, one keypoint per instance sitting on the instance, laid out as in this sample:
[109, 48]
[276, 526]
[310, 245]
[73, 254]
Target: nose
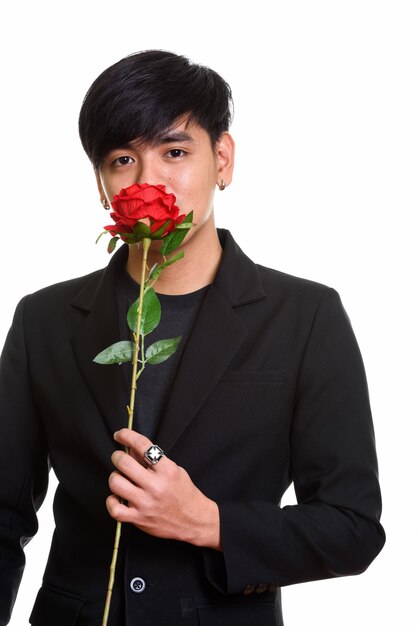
[149, 171]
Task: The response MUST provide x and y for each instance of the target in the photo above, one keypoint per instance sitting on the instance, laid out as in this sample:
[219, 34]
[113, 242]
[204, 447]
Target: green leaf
[120, 352]
[157, 269]
[151, 313]
[160, 351]
[174, 239]
[154, 273]
[132, 316]
[184, 224]
[105, 232]
[112, 244]
[166, 243]
[152, 269]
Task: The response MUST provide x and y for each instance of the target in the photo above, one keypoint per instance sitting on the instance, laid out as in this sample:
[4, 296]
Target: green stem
[142, 357]
[135, 374]
[146, 244]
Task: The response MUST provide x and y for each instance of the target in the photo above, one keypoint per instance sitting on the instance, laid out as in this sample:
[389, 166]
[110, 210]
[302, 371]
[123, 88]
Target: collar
[237, 278]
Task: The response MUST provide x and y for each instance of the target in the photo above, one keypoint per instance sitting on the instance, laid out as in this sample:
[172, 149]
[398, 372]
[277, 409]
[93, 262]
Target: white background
[326, 128]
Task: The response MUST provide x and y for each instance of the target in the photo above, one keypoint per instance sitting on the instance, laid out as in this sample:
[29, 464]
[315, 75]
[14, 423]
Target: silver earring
[222, 186]
[105, 204]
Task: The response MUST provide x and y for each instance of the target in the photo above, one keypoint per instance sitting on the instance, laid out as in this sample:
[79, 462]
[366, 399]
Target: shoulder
[244, 281]
[274, 279]
[61, 294]
[300, 304]
[82, 290]
[307, 310]
[282, 288]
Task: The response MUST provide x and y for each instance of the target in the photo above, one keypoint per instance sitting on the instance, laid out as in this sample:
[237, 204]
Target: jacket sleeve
[334, 529]
[23, 463]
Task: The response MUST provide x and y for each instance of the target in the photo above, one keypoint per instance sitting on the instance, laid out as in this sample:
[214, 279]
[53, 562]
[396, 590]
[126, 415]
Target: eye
[175, 153]
[122, 160]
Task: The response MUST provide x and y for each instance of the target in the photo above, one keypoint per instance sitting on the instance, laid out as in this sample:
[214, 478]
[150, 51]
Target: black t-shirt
[177, 317]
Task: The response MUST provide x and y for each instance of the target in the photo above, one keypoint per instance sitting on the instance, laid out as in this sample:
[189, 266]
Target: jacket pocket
[53, 608]
[255, 376]
[239, 615]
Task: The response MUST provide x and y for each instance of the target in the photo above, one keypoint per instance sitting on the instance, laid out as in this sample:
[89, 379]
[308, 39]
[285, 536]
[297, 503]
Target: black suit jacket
[270, 389]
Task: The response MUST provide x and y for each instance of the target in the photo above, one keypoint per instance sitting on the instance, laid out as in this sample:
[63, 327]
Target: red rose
[140, 202]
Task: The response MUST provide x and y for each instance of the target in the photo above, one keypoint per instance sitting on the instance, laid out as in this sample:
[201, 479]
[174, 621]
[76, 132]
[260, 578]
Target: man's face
[182, 159]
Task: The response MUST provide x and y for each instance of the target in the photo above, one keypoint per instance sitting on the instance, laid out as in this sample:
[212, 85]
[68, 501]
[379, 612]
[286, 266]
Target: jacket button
[248, 589]
[261, 588]
[137, 585]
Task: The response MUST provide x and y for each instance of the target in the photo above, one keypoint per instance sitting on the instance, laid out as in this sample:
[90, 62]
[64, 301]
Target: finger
[130, 438]
[119, 511]
[137, 444]
[122, 487]
[130, 468]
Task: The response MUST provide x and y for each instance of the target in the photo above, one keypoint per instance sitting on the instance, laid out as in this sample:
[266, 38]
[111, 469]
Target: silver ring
[153, 454]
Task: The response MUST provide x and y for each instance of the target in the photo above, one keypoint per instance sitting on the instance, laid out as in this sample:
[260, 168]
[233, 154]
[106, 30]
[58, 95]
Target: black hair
[142, 95]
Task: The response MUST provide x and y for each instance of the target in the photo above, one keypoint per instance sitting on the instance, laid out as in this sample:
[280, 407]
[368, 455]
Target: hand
[160, 499]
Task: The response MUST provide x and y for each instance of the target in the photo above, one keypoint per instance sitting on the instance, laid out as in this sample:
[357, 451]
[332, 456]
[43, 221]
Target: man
[267, 388]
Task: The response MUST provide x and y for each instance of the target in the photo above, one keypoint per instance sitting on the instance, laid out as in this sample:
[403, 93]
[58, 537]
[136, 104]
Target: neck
[198, 267]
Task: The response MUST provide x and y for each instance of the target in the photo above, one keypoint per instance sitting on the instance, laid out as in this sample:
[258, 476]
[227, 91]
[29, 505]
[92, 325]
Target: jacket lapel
[214, 340]
[99, 329]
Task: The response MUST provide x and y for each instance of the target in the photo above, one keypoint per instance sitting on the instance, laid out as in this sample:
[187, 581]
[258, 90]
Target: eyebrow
[173, 136]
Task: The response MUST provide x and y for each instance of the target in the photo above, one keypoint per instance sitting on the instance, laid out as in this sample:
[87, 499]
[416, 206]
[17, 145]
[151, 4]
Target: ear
[225, 155]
